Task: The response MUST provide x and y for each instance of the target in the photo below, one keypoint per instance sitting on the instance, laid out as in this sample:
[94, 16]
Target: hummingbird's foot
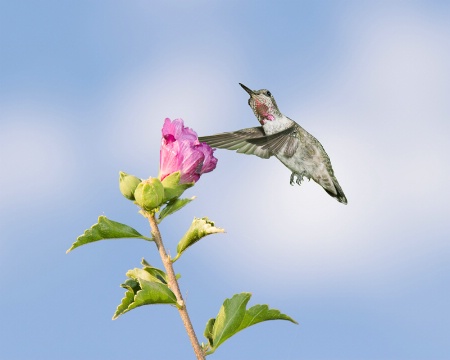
[292, 179]
[299, 177]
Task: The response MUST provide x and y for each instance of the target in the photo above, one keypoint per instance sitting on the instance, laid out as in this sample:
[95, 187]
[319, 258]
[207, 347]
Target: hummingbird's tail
[338, 194]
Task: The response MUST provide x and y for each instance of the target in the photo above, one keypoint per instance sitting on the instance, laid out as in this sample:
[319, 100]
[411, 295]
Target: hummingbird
[283, 138]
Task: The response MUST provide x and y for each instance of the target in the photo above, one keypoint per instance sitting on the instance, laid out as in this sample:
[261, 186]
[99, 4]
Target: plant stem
[173, 285]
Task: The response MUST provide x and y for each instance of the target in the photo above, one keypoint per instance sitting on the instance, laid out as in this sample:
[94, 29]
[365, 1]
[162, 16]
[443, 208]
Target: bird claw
[299, 179]
[292, 179]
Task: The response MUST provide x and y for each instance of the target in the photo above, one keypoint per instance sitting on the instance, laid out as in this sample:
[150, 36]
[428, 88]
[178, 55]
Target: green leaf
[143, 288]
[153, 292]
[229, 318]
[260, 313]
[209, 331]
[126, 301]
[106, 229]
[199, 229]
[173, 206]
[155, 272]
[233, 317]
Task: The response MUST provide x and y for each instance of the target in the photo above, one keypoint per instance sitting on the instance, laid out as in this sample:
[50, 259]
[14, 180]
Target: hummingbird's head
[263, 104]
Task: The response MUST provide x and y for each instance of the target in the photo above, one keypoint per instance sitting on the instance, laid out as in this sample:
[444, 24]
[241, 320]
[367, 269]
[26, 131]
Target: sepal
[172, 187]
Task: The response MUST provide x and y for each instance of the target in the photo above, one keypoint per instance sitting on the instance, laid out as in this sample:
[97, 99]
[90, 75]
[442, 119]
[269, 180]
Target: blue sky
[84, 90]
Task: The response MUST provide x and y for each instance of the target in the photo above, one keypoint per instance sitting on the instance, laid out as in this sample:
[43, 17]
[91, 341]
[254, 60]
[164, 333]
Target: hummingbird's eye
[268, 93]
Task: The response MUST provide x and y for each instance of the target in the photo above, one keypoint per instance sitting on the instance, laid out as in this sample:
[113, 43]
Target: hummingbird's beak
[250, 91]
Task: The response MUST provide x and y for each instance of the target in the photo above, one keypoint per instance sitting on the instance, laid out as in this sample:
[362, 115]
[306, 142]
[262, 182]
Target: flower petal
[169, 158]
[181, 151]
[210, 162]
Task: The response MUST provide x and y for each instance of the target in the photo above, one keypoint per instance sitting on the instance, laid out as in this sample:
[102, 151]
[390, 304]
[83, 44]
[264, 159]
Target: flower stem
[173, 285]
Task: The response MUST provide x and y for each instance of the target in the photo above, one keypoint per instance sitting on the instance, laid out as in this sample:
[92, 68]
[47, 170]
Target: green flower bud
[149, 194]
[128, 184]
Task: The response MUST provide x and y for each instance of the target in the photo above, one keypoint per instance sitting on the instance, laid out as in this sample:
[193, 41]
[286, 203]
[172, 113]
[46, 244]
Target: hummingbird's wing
[284, 143]
[254, 141]
[251, 141]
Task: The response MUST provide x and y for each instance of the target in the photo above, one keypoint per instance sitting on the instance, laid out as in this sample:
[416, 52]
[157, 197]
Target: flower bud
[128, 184]
[149, 194]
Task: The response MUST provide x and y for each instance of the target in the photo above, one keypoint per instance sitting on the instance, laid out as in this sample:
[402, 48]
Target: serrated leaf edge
[102, 218]
[212, 346]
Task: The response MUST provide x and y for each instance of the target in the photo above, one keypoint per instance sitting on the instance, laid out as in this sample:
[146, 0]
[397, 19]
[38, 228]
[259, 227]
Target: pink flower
[181, 151]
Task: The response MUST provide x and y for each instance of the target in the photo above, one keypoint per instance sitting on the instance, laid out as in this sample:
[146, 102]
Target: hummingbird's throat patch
[263, 112]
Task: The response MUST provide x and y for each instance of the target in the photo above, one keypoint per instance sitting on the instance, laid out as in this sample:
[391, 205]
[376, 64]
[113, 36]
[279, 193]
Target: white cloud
[36, 156]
